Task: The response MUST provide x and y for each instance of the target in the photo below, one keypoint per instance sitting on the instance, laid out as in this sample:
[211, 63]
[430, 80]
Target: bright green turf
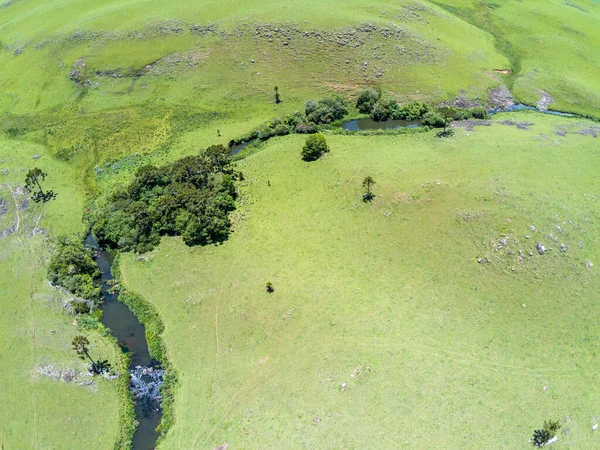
[455, 360]
[552, 45]
[39, 412]
[356, 267]
[453, 55]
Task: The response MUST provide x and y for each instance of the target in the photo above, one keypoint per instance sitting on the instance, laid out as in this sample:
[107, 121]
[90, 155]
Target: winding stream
[235, 149]
[145, 373]
[370, 124]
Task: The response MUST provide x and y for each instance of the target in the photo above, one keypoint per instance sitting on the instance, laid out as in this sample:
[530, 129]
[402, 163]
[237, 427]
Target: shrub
[282, 129]
[479, 113]
[306, 128]
[265, 132]
[326, 111]
[434, 119]
[80, 307]
[380, 112]
[72, 267]
[310, 106]
[367, 100]
[293, 119]
[413, 111]
[270, 288]
[315, 146]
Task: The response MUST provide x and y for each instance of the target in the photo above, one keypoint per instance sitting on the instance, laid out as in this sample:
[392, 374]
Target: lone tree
[447, 113]
[277, 97]
[368, 183]
[80, 345]
[315, 147]
[32, 184]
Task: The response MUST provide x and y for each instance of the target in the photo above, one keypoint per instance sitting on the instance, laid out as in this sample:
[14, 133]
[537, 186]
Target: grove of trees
[191, 197]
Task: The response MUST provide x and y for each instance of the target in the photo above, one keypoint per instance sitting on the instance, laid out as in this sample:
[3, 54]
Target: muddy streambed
[145, 373]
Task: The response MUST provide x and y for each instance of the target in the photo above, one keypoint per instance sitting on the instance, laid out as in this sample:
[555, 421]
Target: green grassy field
[82, 82]
[551, 46]
[389, 297]
[39, 411]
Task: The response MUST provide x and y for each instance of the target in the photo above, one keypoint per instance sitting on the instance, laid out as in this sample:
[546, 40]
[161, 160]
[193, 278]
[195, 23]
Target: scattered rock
[461, 102]
[540, 248]
[546, 100]
[513, 123]
[589, 264]
[470, 124]
[524, 305]
[594, 427]
[3, 206]
[500, 98]
[36, 156]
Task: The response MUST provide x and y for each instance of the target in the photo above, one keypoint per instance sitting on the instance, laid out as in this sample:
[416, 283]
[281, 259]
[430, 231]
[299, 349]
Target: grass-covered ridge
[399, 318]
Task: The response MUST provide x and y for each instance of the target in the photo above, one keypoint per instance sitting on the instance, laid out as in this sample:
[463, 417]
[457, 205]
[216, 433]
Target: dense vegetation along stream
[146, 376]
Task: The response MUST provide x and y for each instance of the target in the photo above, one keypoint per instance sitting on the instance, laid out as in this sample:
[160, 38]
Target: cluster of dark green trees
[315, 113]
[371, 102]
[191, 197]
[72, 267]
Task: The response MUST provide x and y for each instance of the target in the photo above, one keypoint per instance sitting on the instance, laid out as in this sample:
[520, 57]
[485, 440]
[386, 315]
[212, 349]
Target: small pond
[370, 124]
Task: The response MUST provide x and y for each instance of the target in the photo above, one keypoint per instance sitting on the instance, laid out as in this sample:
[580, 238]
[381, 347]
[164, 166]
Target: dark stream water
[235, 149]
[370, 124]
[146, 376]
[521, 107]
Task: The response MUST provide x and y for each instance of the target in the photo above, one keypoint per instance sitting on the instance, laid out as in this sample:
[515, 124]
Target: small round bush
[315, 146]
[380, 112]
[310, 106]
[306, 128]
[433, 119]
[282, 129]
[366, 100]
[479, 113]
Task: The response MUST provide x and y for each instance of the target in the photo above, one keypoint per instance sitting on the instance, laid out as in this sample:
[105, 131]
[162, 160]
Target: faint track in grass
[212, 389]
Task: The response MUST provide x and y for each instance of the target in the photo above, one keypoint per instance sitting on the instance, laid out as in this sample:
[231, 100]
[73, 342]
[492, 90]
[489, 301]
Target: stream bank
[146, 374]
